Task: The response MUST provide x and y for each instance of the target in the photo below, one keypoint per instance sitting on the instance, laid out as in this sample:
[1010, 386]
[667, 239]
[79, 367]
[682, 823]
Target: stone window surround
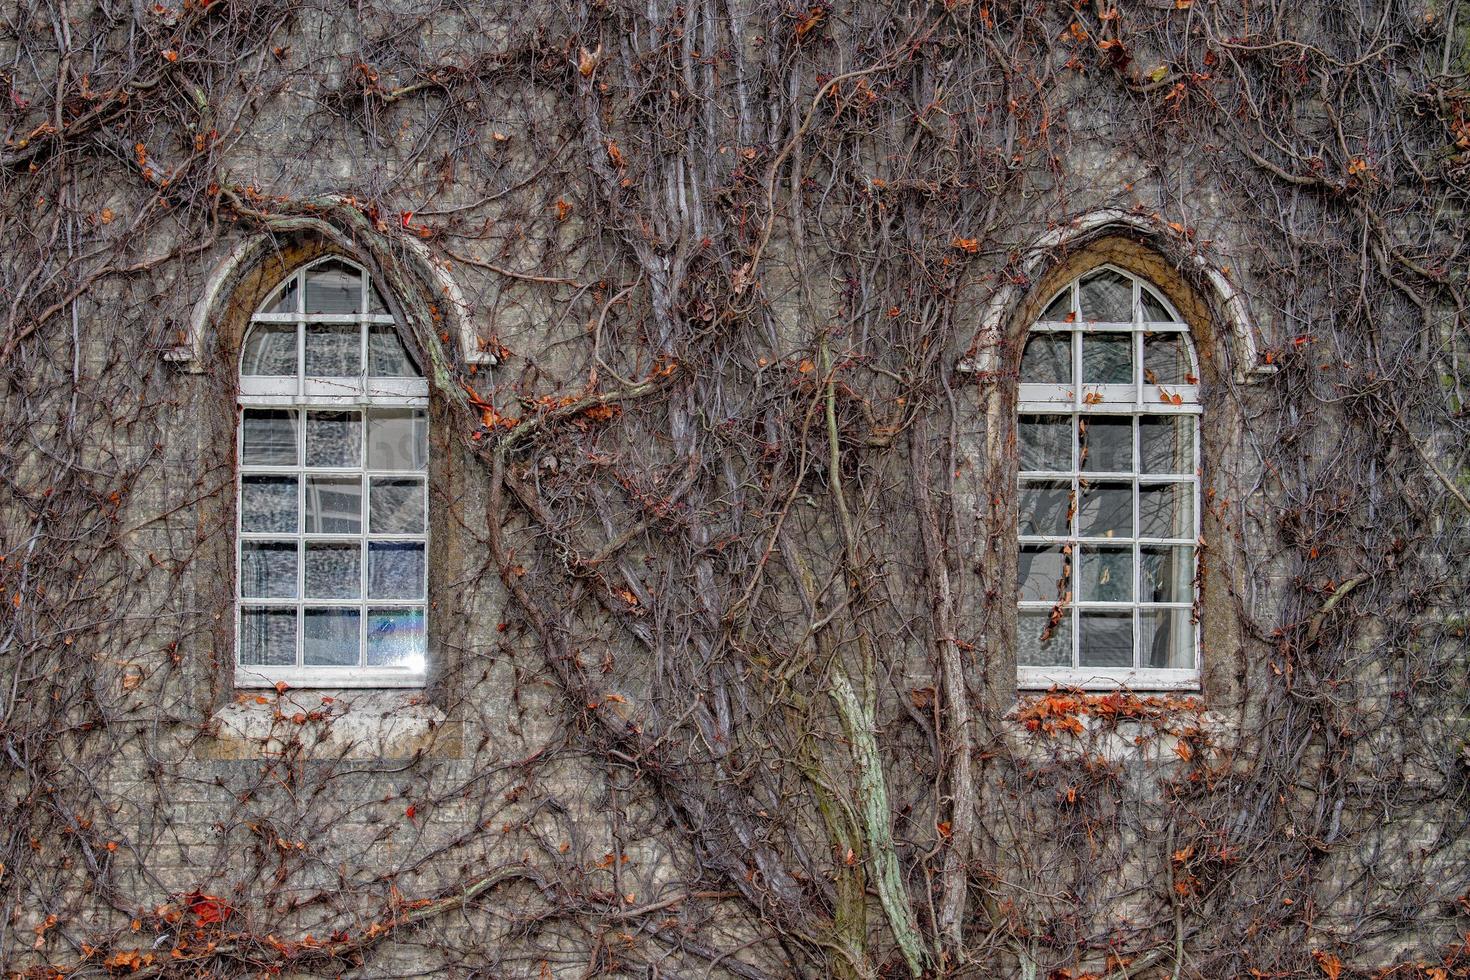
[1228, 343]
[236, 288]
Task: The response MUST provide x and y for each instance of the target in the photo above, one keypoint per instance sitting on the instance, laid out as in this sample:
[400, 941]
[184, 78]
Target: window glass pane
[1042, 572]
[333, 505]
[1166, 360]
[396, 638]
[398, 439]
[333, 439]
[1047, 359]
[1153, 308]
[1039, 644]
[375, 302]
[268, 503]
[268, 437]
[1044, 507]
[1107, 574]
[1166, 444]
[1060, 309]
[268, 569]
[1165, 511]
[1107, 359]
[268, 637]
[1166, 638]
[1106, 639]
[1105, 443]
[1107, 296]
[395, 570]
[333, 350]
[333, 287]
[283, 300]
[1105, 510]
[1045, 442]
[396, 506]
[330, 637]
[270, 351]
[333, 570]
[387, 357]
[1166, 574]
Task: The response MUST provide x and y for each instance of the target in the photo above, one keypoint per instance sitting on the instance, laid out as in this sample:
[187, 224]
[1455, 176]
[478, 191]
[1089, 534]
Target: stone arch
[241, 278]
[1202, 292]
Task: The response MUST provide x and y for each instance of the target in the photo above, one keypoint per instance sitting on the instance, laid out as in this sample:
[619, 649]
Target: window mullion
[362, 540]
[1073, 616]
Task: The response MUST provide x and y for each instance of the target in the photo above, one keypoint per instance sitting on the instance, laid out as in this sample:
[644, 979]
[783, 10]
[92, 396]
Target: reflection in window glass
[268, 636]
[1047, 359]
[1107, 296]
[270, 350]
[333, 504]
[268, 437]
[396, 505]
[1106, 639]
[1105, 510]
[396, 637]
[333, 287]
[268, 569]
[333, 439]
[1059, 310]
[1165, 573]
[1042, 573]
[1107, 573]
[268, 504]
[387, 357]
[1167, 638]
[1166, 360]
[398, 439]
[284, 299]
[1105, 443]
[331, 637]
[333, 351]
[1045, 442]
[1107, 359]
[1046, 507]
[1041, 644]
[333, 570]
[1166, 444]
[395, 570]
[1154, 310]
[1165, 510]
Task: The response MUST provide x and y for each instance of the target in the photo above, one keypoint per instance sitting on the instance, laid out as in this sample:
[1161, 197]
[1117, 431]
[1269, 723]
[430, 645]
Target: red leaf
[208, 909]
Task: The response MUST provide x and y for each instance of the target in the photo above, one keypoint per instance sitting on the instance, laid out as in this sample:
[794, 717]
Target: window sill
[1106, 679]
[253, 678]
[337, 725]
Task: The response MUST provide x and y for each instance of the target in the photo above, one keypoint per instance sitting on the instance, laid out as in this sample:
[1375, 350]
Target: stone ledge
[1162, 730]
[331, 725]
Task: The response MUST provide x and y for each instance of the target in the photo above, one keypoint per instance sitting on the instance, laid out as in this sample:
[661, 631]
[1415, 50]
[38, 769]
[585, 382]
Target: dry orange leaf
[587, 61]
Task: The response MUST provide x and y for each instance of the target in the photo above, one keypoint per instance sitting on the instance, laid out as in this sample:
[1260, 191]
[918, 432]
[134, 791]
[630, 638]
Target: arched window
[332, 511]
[1108, 440]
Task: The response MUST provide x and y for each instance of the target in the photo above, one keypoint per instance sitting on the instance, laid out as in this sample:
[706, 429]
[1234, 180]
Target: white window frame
[1136, 400]
[302, 393]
